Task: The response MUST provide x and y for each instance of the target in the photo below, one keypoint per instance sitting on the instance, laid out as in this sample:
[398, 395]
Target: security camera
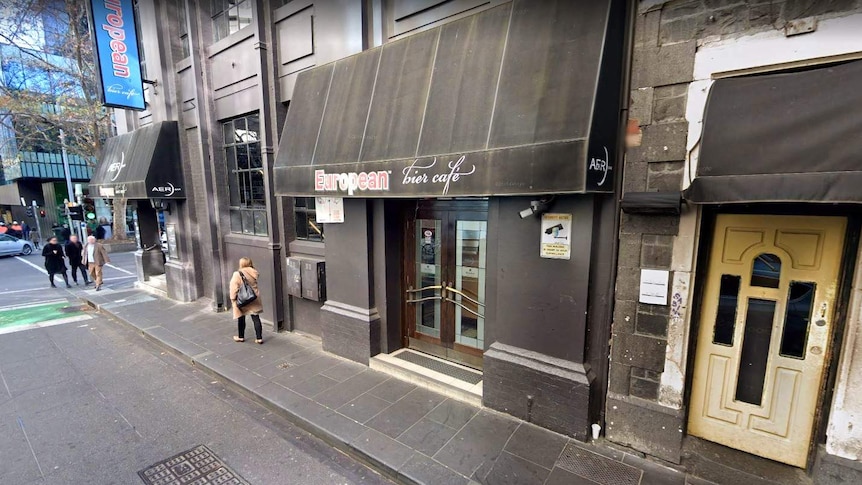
[537, 207]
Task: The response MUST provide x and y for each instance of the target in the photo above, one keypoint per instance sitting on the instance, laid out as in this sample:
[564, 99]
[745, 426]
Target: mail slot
[313, 275]
[294, 277]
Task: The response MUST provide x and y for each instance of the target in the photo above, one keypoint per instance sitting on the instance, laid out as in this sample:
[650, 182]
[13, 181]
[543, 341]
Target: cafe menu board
[171, 234]
[329, 209]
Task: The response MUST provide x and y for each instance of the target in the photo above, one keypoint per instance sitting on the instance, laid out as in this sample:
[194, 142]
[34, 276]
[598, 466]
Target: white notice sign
[556, 236]
[329, 209]
[654, 286]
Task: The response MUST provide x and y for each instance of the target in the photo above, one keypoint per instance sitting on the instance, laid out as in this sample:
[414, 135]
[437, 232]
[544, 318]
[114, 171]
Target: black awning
[522, 98]
[784, 137]
[142, 164]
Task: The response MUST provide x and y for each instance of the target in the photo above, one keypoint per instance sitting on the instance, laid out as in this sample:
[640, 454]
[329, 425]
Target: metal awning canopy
[522, 98]
[788, 137]
[142, 164]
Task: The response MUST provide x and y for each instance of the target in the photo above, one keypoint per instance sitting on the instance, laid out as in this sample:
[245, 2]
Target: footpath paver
[407, 432]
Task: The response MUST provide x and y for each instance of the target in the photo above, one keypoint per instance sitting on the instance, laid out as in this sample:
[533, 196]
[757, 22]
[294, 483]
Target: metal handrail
[462, 295]
[464, 308]
[436, 287]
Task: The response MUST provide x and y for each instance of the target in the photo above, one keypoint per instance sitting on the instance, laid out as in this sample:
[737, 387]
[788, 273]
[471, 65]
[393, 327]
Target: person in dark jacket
[74, 251]
[65, 232]
[54, 261]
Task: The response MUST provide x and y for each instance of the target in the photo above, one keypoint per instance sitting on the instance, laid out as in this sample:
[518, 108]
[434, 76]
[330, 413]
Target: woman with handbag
[245, 297]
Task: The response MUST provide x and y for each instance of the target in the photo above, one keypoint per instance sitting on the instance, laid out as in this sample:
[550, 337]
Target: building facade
[740, 206]
[463, 153]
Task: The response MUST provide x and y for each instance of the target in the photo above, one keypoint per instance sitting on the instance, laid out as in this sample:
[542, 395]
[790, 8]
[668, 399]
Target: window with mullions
[245, 174]
[229, 16]
[305, 218]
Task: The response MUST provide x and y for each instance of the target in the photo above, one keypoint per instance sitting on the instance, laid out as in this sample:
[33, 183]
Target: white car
[13, 246]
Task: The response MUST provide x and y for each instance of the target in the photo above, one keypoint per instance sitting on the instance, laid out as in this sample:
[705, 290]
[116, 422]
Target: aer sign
[117, 53]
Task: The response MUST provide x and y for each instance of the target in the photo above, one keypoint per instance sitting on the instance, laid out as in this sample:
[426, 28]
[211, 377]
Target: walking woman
[247, 272]
[54, 262]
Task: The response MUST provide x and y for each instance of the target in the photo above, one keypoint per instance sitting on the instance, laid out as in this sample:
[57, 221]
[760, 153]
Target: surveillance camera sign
[556, 236]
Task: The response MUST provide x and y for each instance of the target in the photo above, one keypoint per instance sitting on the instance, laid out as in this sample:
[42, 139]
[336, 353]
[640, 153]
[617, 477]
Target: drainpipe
[625, 87]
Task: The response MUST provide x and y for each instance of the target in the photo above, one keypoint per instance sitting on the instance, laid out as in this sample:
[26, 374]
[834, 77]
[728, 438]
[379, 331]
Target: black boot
[51, 279]
[66, 279]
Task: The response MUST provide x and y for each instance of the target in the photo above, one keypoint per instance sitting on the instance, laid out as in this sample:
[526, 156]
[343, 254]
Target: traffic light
[41, 212]
[76, 213]
[29, 211]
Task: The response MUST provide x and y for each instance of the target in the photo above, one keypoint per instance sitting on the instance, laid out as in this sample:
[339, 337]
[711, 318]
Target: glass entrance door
[445, 297]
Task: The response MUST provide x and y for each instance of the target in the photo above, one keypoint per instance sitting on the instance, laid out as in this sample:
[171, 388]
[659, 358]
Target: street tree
[49, 85]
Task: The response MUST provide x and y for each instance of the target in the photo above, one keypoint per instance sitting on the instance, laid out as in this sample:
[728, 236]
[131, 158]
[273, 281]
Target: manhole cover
[198, 466]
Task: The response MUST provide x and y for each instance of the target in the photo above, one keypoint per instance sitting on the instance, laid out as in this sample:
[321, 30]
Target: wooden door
[445, 273]
[765, 327]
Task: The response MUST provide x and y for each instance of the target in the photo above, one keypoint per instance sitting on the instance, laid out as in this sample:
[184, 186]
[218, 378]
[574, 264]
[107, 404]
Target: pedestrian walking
[26, 228]
[65, 232]
[95, 256]
[34, 238]
[75, 253]
[246, 274]
[54, 261]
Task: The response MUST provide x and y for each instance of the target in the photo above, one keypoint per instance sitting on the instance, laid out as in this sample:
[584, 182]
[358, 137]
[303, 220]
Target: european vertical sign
[117, 53]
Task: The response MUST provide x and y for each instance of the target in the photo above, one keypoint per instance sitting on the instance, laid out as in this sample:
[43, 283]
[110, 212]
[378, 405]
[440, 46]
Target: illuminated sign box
[116, 43]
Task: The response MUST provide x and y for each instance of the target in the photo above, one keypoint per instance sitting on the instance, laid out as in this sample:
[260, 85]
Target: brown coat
[256, 306]
[100, 255]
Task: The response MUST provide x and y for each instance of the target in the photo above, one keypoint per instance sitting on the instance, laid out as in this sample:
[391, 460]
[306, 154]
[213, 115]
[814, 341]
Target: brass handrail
[436, 287]
[462, 295]
[464, 308]
[427, 298]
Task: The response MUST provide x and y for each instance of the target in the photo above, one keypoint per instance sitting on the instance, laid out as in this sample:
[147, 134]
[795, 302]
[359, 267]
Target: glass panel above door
[469, 297]
[428, 276]
[766, 271]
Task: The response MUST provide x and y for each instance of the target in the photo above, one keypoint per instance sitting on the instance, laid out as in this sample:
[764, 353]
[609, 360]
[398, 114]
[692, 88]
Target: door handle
[464, 307]
[462, 295]
[427, 298]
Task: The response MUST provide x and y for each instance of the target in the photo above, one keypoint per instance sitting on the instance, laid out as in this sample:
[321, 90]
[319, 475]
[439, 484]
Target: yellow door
[764, 331]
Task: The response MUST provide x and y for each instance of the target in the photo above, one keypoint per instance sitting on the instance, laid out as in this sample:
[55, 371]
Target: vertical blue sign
[117, 53]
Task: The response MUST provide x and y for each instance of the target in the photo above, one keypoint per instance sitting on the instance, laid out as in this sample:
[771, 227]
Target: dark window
[305, 217]
[755, 350]
[725, 318]
[185, 48]
[246, 181]
[229, 16]
[766, 271]
[800, 302]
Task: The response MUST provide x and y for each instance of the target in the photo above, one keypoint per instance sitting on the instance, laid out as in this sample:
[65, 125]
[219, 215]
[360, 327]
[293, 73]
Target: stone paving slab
[408, 433]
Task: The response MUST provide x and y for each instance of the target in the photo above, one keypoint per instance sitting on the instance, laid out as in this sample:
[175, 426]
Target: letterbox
[294, 277]
[313, 279]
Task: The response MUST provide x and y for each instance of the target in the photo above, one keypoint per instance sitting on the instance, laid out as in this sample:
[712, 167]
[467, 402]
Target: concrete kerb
[325, 435]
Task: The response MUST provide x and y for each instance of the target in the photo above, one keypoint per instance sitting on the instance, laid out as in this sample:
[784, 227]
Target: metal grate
[597, 467]
[198, 466]
[442, 367]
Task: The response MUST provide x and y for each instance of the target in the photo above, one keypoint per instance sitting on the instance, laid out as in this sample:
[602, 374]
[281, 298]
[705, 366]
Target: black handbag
[245, 294]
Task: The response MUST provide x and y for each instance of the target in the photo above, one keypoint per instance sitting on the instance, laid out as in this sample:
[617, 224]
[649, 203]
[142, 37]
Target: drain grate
[441, 367]
[597, 467]
[198, 466]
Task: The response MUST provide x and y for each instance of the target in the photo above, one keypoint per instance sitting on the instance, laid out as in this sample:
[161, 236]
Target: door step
[448, 378]
[157, 285]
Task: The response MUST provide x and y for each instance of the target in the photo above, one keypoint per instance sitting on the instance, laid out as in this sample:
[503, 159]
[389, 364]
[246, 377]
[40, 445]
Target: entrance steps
[448, 378]
[157, 285]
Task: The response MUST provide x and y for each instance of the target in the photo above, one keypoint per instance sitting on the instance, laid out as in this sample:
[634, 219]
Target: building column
[350, 324]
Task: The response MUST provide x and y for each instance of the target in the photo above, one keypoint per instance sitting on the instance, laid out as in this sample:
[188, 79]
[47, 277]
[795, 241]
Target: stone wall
[667, 36]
